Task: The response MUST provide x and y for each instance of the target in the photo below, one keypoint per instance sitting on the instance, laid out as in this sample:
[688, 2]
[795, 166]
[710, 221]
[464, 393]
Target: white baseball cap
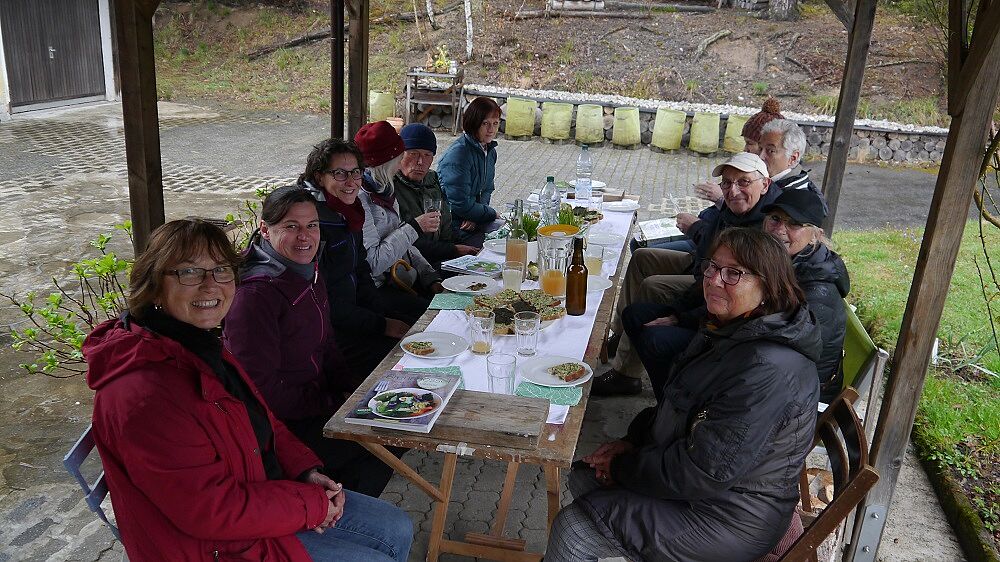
[744, 162]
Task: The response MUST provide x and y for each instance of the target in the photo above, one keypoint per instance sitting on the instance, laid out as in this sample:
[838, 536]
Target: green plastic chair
[862, 366]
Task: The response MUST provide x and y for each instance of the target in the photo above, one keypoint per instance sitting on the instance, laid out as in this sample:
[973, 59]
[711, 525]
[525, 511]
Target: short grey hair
[792, 137]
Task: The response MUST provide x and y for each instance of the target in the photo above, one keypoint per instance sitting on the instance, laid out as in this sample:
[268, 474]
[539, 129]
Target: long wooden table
[489, 426]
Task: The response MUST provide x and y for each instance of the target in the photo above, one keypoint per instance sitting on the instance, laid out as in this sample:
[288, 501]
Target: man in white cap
[663, 276]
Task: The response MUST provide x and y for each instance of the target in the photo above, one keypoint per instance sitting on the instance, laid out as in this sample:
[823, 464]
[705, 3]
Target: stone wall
[868, 144]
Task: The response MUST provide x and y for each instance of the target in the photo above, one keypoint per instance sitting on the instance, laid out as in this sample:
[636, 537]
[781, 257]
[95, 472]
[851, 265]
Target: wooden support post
[357, 87]
[847, 106]
[134, 29]
[337, 69]
[843, 12]
[935, 264]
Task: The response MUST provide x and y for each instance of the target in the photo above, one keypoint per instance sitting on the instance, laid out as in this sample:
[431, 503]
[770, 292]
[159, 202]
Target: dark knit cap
[769, 112]
[419, 136]
[379, 142]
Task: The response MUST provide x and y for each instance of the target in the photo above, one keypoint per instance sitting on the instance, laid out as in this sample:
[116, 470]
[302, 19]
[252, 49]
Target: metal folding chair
[94, 493]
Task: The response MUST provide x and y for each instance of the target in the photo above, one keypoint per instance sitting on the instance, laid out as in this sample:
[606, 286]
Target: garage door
[53, 49]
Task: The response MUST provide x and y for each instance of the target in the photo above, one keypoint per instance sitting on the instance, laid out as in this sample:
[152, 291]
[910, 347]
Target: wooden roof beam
[134, 26]
[956, 182]
[843, 11]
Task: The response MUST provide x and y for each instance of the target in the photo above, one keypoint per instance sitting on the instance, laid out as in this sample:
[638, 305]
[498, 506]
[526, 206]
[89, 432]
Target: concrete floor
[62, 182]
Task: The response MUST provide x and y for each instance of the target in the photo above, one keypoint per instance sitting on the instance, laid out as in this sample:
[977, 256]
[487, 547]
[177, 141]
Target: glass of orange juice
[481, 324]
[552, 276]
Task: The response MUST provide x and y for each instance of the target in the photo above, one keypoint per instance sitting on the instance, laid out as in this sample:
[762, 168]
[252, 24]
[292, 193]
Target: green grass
[959, 411]
[917, 111]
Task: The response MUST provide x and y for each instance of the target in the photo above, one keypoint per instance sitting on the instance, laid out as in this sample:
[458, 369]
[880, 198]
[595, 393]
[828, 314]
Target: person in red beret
[402, 274]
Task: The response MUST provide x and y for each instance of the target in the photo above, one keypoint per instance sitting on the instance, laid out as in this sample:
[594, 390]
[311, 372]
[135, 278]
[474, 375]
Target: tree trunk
[783, 9]
[468, 29]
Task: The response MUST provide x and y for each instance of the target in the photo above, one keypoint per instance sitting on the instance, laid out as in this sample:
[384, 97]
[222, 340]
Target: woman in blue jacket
[467, 170]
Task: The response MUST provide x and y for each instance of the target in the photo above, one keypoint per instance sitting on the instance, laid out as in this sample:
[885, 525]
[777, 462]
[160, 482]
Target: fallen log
[656, 7]
[533, 14]
[708, 41]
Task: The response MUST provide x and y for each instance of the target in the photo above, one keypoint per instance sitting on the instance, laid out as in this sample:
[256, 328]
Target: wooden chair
[94, 492]
[840, 431]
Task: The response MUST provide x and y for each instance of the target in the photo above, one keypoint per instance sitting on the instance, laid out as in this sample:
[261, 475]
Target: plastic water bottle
[584, 167]
[549, 201]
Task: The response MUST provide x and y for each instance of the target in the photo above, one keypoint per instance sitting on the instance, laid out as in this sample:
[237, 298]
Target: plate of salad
[404, 403]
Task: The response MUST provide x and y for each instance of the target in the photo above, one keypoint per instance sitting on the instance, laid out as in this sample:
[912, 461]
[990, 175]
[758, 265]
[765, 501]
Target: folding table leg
[441, 509]
[552, 492]
[404, 469]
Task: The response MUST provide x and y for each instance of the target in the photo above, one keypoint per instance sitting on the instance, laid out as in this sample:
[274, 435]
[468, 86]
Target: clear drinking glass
[500, 368]
[431, 203]
[481, 331]
[526, 326]
[593, 258]
[513, 274]
[596, 201]
[553, 271]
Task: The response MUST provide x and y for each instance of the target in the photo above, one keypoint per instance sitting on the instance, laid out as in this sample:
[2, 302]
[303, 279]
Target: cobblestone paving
[67, 172]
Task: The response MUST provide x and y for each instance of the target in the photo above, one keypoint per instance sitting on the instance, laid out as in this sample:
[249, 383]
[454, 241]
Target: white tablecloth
[567, 337]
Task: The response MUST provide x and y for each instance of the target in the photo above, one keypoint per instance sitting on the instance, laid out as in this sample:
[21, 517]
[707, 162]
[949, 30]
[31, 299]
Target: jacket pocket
[243, 551]
[696, 420]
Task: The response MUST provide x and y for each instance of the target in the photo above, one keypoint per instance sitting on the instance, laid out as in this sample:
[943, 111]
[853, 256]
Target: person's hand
[464, 250]
[664, 321]
[314, 476]
[334, 510]
[709, 191]
[429, 222]
[600, 460]
[437, 287]
[396, 329]
[685, 221]
[468, 226]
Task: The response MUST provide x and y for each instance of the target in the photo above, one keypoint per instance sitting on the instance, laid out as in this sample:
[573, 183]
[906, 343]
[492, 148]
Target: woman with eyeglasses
[279, 329]
[467, 172]
[198, 465]
[711, 472]
[365, 329]
[794, 219]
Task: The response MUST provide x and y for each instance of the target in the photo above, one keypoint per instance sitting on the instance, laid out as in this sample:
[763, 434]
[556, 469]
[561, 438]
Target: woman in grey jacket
[711, 473]
[386, 238]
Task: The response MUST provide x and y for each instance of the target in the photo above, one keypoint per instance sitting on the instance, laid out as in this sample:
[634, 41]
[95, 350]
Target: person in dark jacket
[467, 172]
[198, 466]
[365, 330]
[711, 473]
[660, 332]
[666, 276]
[418, 191]
[794, 219]
[279, 327]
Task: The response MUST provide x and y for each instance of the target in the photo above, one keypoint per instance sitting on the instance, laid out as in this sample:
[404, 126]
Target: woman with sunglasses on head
[711, 472]
[365, 329]
[794, 219]
[279, 328]
[198, 465]
[467, 172]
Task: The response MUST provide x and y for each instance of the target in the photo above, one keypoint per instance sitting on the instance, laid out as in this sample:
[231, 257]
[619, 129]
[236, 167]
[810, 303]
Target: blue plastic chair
[93, 493]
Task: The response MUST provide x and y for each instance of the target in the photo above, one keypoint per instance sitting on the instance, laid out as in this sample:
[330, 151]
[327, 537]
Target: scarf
[377, 182]
[354, 213]
[306, 270]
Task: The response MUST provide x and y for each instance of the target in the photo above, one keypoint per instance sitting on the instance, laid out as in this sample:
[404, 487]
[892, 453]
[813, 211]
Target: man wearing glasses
[667, 276]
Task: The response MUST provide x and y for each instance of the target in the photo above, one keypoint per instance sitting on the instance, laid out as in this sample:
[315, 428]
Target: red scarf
[354, 213]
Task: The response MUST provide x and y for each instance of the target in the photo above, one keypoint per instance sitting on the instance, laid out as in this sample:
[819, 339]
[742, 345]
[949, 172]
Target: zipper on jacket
[219, 406]
[215, 554]
[698, 418]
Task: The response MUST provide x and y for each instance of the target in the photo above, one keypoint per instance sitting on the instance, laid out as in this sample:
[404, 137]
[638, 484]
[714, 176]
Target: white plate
[597, 283]
[445, 345]
[437, 403]
[461, 284]
[594, 184]
[606, 239]
[623, 206]
[499, 246]
[536, 370]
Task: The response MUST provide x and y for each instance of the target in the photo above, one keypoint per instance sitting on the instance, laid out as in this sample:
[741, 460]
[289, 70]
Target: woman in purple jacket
[279, 329]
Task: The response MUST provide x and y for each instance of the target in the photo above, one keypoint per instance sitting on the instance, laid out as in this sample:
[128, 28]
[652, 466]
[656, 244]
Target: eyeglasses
[341, 174]
[743, 184]
[193, 276]
[490, 124]
[730, 275]
[790, 225]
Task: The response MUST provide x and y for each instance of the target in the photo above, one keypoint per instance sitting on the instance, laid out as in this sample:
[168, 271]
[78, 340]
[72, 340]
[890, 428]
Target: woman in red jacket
[197, 465]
